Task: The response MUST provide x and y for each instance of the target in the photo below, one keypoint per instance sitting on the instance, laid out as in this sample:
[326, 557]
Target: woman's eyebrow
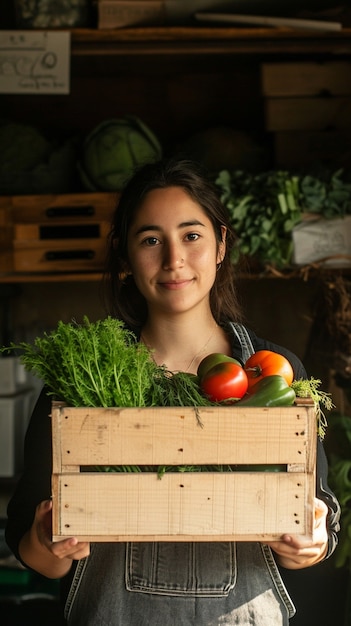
[155, 227]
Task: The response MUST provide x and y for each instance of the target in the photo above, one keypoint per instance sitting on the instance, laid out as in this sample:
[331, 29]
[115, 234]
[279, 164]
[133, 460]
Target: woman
[170, 278]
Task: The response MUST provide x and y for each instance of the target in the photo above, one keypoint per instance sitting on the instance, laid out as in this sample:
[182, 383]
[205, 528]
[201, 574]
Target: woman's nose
[172, 257]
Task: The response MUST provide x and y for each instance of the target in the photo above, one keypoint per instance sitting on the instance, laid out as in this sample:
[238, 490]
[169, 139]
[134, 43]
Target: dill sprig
[309, 388]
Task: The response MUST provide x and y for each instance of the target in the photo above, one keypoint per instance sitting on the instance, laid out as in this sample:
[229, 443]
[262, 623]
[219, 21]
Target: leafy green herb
[264, 208]
[93, 364]
[309, 388]
[101, 364]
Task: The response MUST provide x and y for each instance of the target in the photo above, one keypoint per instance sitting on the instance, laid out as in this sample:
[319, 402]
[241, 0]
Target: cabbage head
[113, 150]
[22, 147]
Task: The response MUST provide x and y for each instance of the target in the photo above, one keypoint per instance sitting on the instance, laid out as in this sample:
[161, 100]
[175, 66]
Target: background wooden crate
[52, 233]
[332, 78]
[122, 13]
[199, 506]
[307, 108]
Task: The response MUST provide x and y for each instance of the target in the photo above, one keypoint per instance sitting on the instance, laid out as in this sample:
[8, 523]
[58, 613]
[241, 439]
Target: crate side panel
[173, 436]
[244, 505]
[307, 113]
[47, 207]
[31, 234]
[306, 79]
[57, 256]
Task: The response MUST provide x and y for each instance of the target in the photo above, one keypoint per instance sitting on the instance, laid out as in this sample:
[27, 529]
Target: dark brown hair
[122, 298]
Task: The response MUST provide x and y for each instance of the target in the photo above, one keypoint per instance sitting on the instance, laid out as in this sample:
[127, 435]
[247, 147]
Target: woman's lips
[174, 285]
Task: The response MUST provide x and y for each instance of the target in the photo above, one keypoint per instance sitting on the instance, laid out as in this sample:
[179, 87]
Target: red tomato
[225, 381]
[211, 360]
[267, 363]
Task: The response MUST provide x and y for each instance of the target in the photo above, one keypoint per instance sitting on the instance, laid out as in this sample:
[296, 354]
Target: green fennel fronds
[309, 388]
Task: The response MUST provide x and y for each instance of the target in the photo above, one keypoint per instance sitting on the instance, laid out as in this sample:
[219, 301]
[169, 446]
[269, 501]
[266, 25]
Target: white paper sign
[35, 62]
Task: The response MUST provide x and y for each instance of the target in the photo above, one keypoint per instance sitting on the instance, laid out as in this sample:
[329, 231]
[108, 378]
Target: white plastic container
[323, 241]
[13, 377]
[14, 417]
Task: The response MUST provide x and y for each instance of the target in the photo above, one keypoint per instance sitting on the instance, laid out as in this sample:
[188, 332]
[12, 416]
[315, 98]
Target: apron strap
[243, 337]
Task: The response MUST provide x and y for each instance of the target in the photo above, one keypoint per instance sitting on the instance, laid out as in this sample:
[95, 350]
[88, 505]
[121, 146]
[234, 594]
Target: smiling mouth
[173, 285]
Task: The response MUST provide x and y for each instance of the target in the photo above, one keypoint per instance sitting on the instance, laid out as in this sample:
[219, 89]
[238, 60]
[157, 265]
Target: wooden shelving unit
[177, 79]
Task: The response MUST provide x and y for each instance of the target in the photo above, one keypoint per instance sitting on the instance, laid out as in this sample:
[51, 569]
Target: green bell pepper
[269, 391]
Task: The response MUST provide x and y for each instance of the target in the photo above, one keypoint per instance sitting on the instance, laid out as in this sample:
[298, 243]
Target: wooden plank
[173, 435]
[307, 113]
[183, 506]
[59, 256]
[6, 237]
[51, 207]
[121, 13]
[39, 234]
[306, 79]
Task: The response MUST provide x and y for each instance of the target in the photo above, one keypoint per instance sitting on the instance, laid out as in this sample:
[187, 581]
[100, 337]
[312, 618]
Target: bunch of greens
[309, 388]
[264, 208]
[101, 364]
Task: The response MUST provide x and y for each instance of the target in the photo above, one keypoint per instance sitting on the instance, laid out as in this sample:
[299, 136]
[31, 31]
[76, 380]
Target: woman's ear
[222, 245]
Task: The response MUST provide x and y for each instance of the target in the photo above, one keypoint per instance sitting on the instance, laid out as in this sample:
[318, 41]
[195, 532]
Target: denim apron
[179, 583]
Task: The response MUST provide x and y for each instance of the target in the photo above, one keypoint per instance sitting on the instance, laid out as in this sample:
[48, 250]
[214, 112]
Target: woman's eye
[192, 236]
[151, 241]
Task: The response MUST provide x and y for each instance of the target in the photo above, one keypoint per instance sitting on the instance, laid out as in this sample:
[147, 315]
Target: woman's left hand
[296, 551]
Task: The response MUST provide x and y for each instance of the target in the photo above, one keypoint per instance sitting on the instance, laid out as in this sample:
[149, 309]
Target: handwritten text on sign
[34, 62]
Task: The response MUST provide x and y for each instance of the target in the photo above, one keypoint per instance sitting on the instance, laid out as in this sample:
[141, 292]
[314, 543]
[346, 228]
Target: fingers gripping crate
[183, 506]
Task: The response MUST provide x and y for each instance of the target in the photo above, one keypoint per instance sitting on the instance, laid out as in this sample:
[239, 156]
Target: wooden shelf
[73, 277]
[209, 40]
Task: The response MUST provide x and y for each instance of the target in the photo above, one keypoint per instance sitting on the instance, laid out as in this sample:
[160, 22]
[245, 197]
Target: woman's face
[173, 251]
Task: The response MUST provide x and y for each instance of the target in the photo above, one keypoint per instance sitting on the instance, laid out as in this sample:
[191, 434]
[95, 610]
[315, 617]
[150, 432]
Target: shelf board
[69, 277]
[209, 40]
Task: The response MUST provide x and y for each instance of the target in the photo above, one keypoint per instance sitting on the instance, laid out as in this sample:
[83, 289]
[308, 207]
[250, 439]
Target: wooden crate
[307, 106]
[52, 233]
[6, 236]
[308, 113]
[122, 13]
[303, 78]
[183, 506]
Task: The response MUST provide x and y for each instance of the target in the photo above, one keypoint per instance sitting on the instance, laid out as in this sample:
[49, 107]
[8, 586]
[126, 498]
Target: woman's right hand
[39, 552]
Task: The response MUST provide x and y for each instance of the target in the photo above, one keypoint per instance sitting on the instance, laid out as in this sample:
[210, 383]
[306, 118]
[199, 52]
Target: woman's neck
[181, 345]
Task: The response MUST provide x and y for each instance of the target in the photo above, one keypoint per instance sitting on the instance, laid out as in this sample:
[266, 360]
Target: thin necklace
[202, 349]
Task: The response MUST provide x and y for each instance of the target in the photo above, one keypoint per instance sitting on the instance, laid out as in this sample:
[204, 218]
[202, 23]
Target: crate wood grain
[307, 113]
[306, 79]
[182, 506]
[47, 208]
[51, 233]
[121, 13]
[59, 255]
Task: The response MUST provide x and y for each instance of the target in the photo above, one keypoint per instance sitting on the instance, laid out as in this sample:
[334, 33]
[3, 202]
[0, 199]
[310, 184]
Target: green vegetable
[309, 388]
[101, 364]
[269, 391]
[22, 147]
[113, 150]
[264, 208]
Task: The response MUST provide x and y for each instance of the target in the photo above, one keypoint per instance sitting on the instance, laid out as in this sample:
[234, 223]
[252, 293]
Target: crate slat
[182, 506]
[174, 436]
[307, 113]
[306, 79]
